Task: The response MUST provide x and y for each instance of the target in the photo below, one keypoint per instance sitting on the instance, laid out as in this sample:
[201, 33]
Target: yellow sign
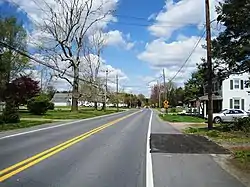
[165, 104]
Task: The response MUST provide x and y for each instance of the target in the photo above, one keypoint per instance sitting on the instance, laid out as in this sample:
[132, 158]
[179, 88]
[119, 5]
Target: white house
[235, 93]
[62, 99]
[229, 93]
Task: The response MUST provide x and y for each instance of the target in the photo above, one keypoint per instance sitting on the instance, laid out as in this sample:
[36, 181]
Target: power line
[154, 79]
[191, 53]
[152, 21]
[41, 62]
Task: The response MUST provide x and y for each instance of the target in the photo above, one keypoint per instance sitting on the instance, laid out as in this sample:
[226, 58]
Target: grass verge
[67, 114]
[22, 124]
[237, 141]
[181, 118]
[230, 137]
[241, 158]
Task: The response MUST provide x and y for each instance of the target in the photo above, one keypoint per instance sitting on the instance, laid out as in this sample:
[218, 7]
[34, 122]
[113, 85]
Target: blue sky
[146, 37]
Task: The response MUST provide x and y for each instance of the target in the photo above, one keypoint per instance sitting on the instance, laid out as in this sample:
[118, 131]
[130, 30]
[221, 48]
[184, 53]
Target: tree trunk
[95, 105]
[103, 106]
[75, 91]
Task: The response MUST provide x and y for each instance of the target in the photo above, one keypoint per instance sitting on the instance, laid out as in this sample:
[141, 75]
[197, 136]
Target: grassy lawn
[22, 124]
[181, 118]
[67, 114]
[231, 137]
[172, 110]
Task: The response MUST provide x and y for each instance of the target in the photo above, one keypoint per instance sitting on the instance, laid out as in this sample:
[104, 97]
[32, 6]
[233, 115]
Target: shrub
[10, 117]
[173, 110]
[225, 127]
[182, 114]
[38, 105]
[51, 106]
[242, 155]
[242, 124]
[1, 119]
[10, 113]
[213, 133]
[192, 130]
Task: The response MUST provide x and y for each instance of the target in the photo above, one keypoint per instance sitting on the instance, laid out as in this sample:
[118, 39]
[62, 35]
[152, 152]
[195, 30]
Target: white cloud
[116, 38]
[181, 37]
[171, 56]
[37, 38]
[37, 10]
[62, 84]
[176, 15]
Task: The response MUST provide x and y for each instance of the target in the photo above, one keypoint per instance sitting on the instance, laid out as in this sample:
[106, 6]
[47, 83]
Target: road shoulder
[184, 169]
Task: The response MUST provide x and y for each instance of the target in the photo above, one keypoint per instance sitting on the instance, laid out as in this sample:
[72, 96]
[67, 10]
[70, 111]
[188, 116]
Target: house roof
[214, 97]
[192, 100]
[61, 97]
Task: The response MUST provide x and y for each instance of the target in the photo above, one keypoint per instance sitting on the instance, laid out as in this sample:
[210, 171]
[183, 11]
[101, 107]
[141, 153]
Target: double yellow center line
[20, 166]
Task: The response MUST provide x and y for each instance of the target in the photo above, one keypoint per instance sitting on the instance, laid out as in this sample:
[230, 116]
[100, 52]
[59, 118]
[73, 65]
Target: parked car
[229, 115]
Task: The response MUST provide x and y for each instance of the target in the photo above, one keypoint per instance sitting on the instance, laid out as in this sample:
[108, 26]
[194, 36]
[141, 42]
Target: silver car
[229, 115]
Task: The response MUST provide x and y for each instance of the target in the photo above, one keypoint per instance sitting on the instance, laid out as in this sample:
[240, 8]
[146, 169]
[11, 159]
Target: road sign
[165, 104]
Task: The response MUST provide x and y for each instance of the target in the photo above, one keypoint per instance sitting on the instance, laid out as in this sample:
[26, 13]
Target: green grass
[219, 136]
[172, 110]
[237, 141]
[181, 118]
[241, 158]
[67, 114]
[22, 124]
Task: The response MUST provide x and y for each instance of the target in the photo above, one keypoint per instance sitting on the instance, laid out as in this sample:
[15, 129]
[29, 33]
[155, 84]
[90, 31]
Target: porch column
[205, 108]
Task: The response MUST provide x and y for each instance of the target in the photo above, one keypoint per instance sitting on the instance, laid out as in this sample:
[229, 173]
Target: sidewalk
[183, 125]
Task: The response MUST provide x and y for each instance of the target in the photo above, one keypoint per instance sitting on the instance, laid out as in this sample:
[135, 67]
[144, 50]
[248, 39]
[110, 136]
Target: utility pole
[117, 99]
[106, 90]
[164, 83]
[130, 99]
[209, 67]
[159, 94]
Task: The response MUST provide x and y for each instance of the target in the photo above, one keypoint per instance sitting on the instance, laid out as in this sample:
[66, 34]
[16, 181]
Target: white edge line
[149, 168]
[55, 126]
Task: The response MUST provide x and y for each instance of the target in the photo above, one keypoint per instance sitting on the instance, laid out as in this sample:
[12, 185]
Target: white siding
[228, 94]
[60, 104]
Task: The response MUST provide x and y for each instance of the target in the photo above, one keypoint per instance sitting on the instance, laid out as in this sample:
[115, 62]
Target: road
[111, 151]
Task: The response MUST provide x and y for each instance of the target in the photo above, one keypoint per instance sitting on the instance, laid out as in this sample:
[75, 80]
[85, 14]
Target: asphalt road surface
[111, 151]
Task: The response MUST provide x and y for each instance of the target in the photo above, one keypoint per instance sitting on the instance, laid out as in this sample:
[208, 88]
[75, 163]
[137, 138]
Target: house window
[236, 84]
[215, 86]
[231, 84]
[236, 104]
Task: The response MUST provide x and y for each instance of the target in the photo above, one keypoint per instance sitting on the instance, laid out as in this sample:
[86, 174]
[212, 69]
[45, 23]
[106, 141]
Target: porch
[217, 104]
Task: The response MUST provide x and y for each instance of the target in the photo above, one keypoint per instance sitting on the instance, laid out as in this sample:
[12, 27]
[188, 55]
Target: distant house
[65, 99]
[62, 99]
[229, 93]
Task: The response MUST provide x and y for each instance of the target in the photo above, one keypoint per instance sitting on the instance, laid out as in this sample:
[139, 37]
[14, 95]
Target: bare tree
[70, 23]
[92, 56]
